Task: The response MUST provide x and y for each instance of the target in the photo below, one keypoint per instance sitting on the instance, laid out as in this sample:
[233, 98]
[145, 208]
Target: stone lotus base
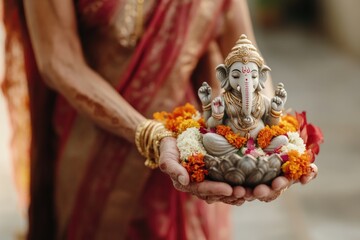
[244, 170]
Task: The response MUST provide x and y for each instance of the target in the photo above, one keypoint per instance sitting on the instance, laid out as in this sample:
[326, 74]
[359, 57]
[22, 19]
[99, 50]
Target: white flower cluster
[295, 143]
[189, 142]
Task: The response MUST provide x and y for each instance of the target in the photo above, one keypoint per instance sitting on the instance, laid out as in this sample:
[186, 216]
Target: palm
[212, 191]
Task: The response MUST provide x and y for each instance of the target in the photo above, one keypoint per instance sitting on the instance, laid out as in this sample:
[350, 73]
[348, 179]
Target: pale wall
[342, 21]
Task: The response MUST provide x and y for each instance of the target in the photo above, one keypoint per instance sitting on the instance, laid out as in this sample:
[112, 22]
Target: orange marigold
[199, 175]
[187, 111]
[222, 130]
[234, 139]
[264, 137]
[188, 123]
[297, 165]
[278, 130]
[161, 116]
[290, 123]
[201, 121]
[195, 166]
[176, 121]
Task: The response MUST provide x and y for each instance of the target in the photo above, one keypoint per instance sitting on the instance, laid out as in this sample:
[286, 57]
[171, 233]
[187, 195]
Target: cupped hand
[210, 191]
[267, 193]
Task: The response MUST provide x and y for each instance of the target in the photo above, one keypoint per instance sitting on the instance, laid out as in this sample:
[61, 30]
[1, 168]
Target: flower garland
[180, 119]
[185, 122]
[287, 124]
[297, 155]
[234, 139]
[297, 165]
[195, 166]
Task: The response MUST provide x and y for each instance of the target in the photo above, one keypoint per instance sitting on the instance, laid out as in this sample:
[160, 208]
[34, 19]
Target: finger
[233, 200]
[178, 186]
[271, 197]
[210, 188]
[205, 189]
[239, 192]
[168, 162]
[211, 199]
[249, 195]
[313, 174]
[262, 191]
[280, 183]
[238, 202]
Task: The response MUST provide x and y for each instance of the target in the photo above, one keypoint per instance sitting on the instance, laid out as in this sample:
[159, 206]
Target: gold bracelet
[163, 133]
[147, 139]
[275, 114]
[139, 131]
[207, 107]
[217, 116]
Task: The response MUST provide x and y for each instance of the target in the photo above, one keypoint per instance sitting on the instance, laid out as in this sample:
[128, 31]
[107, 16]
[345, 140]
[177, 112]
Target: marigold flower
[177, 120]
[186, 111]
[297, 165]
[195, 166]
[234, 139]
[290, 123]
[201, 121]
[278, 130]
[188, 123]
[161, 116]
[264, 137]
[222, 130]
[287, 124]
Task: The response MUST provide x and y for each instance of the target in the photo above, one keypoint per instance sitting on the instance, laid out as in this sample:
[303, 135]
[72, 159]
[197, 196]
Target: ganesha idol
[245, 112]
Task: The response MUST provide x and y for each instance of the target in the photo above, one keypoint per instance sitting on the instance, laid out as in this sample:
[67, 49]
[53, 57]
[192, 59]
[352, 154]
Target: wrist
[275, 114]
[148, 137]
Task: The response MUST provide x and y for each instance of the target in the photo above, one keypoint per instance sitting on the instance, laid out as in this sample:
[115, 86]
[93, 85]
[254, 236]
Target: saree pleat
[96, 181]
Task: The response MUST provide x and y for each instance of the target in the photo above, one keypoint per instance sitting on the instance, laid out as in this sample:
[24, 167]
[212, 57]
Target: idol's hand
[266, 193]
[209, 191]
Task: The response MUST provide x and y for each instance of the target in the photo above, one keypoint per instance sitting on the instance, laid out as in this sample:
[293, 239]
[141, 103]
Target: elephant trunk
[247, 97]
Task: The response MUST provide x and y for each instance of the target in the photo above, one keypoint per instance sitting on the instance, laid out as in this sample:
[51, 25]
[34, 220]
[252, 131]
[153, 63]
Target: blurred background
[313, 47]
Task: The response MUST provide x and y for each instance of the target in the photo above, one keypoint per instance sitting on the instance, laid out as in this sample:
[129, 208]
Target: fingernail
[181, 180]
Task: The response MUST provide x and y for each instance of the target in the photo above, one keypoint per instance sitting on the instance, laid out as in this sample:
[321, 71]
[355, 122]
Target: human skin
[62, 64]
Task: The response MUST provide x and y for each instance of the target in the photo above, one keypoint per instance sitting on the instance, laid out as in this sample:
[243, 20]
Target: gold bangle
[275, 114]
[217, 116]
[206, 107]
[139, 131]
[163, 133]
[147, 139]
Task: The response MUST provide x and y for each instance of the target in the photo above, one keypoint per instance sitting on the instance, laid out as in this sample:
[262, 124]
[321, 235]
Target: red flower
[311, 134]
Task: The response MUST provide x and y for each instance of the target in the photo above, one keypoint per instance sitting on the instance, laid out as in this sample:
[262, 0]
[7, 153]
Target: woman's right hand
[209, 191]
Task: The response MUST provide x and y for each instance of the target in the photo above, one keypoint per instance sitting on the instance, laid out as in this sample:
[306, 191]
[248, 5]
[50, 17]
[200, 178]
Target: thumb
[169, 161]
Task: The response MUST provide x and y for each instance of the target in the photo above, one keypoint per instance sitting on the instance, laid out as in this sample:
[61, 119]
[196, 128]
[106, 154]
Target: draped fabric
[89, 184]
[15, 90]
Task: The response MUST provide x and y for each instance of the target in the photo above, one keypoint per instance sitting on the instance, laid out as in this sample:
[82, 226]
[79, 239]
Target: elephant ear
[222, 76]
[263, 76]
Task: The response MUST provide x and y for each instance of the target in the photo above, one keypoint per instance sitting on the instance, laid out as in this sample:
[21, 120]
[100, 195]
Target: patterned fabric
[89, 184]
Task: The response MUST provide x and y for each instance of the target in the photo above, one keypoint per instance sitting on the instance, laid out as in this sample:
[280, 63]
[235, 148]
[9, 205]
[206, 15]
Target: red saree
[89, 184]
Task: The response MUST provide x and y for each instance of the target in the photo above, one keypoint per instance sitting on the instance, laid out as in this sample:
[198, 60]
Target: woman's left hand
[267, 193]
